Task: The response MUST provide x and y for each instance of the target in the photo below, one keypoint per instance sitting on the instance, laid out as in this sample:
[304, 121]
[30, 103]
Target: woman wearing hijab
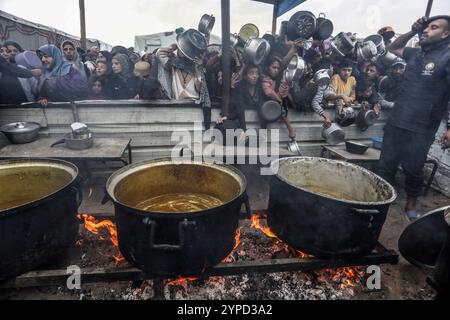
[122, 83]
[61, 81]
[71, 55]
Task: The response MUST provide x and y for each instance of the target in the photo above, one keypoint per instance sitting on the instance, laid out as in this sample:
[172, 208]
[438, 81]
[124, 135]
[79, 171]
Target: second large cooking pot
[327, 208]
[192, 237]
[39, 199]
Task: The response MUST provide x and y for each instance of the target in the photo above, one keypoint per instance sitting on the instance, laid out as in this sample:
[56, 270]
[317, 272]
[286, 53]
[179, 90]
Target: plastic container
[377, 142]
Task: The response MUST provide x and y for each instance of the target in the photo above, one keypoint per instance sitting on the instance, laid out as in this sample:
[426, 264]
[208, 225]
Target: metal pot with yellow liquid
[39, 199]
[176, 219]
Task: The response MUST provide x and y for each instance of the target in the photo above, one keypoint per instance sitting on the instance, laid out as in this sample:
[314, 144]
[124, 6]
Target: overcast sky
[118, 21]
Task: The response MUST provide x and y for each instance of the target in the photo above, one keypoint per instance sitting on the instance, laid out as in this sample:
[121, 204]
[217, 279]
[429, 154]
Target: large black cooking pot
[183, 243]
[327, 208]
[421, 242]
[39, 199]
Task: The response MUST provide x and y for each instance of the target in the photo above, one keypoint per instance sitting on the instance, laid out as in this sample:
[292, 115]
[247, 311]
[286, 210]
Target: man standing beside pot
[420, 106]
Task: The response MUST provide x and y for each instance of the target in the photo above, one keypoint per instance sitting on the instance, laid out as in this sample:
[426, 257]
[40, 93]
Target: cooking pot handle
[106, 198]
[79, 194]
[182, 227]
[58, 142]
[366, 211]
[247, 205]
[369, 212]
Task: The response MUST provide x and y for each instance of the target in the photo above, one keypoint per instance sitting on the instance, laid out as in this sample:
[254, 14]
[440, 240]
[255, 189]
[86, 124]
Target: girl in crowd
[14, 49]
[276, 88]
[122, 82]
[248, 95]
[97, 86]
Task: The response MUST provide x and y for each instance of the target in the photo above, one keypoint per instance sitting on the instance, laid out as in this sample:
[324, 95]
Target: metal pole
[429, 6]
[274, 18]
[82, 25]
[226, 56]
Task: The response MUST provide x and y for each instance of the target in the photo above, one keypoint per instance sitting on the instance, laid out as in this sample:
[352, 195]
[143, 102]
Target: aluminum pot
[333, 134]
[295, 69]
[234, 39]
[206, 24]
[255, 50]
[367, 51]
[324, 28]
[38, 207]
[316, 206]
[182, 243]
[302, 24]
[74, 142]
[191, 43]
[21, 132]
[343, 44]
[270, 111]
[366, 118]
[379, 43]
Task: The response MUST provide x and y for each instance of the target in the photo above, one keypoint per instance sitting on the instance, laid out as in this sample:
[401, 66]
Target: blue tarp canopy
[283, 6]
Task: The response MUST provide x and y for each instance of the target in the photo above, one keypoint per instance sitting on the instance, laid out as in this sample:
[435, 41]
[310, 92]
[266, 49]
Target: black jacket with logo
[425, 91]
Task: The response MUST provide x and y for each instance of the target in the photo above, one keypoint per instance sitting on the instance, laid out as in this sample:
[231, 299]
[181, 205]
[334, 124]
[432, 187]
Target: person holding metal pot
[311, 93]
[420, 106]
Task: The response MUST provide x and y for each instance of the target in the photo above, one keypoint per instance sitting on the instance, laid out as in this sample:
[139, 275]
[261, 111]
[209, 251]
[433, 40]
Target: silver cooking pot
[191, 43]
[379, 43]
[295, 69]
[333, 134]
[76, 143]
[270, 111]
[302, 24]
[21, 132]
[367, 51]
[343, 44]
[255, 50]
[206, 24]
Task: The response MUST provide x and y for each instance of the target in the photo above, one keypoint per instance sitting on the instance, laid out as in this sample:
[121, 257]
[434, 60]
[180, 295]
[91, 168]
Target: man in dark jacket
[420, 106]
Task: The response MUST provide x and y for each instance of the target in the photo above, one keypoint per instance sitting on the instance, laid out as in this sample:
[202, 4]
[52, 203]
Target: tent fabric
[286, 5]
[283, 5]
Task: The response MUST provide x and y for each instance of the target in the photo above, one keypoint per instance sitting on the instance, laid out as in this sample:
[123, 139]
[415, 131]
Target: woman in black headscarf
[122, 83]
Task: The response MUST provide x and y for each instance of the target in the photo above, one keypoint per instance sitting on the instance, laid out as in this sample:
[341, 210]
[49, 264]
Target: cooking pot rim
[56, 163]
[123, 172]
[402, 235]
[356, 203]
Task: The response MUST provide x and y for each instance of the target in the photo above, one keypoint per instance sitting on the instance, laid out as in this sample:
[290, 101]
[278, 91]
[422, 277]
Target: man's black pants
[410, 149]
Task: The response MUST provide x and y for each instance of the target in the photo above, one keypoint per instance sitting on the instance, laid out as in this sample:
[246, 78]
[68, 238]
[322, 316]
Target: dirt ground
[399, 282]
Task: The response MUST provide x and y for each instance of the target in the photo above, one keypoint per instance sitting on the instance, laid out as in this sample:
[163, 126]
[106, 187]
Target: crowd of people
[69, 73]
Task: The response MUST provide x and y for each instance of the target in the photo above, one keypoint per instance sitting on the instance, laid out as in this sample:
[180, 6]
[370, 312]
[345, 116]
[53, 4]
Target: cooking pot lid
[20, 127]
[421, 242]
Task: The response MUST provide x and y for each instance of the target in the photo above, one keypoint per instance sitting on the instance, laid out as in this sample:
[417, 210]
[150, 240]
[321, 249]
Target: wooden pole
[82, 25]
[274, 18]
[429, 6]
[226, 56]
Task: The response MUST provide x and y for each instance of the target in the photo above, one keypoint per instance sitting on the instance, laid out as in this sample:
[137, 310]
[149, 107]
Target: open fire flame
[182, 282]
[348, 276]
[94, 226]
